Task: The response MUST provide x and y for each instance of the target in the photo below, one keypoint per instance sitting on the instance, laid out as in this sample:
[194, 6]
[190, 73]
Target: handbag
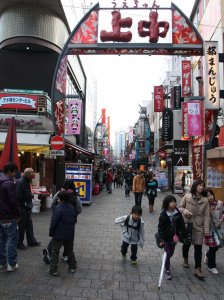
[220, 236]
[158, 240]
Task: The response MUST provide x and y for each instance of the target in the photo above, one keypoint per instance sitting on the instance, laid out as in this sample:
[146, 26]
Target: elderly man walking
[9, 214]
[24, 197]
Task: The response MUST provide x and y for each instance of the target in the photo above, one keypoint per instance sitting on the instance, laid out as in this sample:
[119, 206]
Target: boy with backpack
[133, 232]
[62, 229]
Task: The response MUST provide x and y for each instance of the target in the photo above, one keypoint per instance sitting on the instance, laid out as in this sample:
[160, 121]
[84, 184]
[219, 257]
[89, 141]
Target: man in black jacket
[24, 197]
[9, 214]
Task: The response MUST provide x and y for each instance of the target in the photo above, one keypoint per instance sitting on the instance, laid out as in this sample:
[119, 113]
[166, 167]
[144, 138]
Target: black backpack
[126, 223]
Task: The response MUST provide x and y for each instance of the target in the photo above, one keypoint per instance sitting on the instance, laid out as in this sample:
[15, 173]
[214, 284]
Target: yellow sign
[81, 188]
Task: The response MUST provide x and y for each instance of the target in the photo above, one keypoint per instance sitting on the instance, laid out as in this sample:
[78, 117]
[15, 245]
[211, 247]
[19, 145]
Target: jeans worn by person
[8, 242]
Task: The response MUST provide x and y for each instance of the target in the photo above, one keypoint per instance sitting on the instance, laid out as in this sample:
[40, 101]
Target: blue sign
[81, 175]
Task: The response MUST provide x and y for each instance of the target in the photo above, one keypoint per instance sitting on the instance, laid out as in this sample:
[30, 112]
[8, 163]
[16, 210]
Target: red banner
[158, 99]
[103, 111]
[197, 161]
[18, 101]
[186, 78]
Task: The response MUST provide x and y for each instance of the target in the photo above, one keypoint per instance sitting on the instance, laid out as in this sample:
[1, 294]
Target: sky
[124, 82]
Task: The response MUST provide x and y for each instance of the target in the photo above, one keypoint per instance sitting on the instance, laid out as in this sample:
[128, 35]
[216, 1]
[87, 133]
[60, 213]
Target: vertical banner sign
[81, 175]
[158, 99]
[103, 112]
[73, 117]
[108, 131]
[186, 78]
[197, 161]
[212, 100]
[176, 97]
[185, 134]
[180, 155]
[167, 130]
[194, 111]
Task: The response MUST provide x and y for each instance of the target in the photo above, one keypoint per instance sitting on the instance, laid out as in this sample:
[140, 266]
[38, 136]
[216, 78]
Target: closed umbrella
[162, 269]
[10, 151]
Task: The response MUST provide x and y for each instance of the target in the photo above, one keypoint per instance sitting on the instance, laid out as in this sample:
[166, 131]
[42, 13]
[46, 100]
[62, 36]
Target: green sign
[23, 91]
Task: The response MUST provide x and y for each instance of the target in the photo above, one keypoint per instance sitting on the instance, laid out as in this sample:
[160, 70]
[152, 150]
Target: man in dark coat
[24, 198]
[9, 215]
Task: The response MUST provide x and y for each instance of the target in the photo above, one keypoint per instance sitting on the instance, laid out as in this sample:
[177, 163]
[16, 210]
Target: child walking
[62, 230]
[171, 228]
[133, 232]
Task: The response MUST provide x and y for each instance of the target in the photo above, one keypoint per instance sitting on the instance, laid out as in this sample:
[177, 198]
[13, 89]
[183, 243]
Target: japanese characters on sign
[73, 117]
[167, 132]
[134, 4]
[185, 134]
[180, 156]
[194, 112]
[18, 101]
[158, 99]
[176, 97]
[197, 162]
[212, 100]
[186, 78]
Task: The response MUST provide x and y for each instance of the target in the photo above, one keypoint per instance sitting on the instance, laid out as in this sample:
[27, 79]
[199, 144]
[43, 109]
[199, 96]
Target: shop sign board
[212, 100]
[19, 101]
[194, 115]
[81, 175]
[23, 91]
[57, 142]
[57, 153]
[197, 161]
[158, 99]
[183, 179]
[176, 97]
[186, 78]
[180, 153]
[167, 130]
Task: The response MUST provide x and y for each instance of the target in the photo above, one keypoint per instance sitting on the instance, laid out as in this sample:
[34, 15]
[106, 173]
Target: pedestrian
[128, 178]
[24, 197]
[109, 180]
[9, 216]
[133, 232]
[151, 190]
[195, 209]
[138, 187]
[62, 229]
[212, 240]
[171, 229]
[68, 186]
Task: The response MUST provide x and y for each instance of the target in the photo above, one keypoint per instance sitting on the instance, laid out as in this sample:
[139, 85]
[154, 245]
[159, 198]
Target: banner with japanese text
[195, 120]
[197, 161]
[176, 97]
[73, 117]
[167, 129]
[212, 100]
[158, 99]
[186, 78]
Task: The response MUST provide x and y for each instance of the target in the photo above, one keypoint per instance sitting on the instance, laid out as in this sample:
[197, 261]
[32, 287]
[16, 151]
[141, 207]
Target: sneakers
[167, 275]
[64, 258]
[206, 258]
[124, 256]
[213, 270]
[46, 256]
[3, 266]
[72, 270]
[54, 273]
[134, 262]
[12, 268]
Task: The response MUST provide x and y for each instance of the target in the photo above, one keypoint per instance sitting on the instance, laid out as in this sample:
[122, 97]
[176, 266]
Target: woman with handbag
[215, 237]
[195, 209]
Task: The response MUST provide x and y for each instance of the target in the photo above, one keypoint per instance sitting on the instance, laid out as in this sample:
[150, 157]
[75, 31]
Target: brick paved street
[101, 273]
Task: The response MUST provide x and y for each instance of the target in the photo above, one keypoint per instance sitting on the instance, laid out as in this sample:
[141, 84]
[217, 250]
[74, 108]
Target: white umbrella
[162, 269]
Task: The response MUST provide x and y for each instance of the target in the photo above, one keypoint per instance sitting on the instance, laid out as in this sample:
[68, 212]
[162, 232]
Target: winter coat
[62, 225]
[109, 177]
[199, 208]
[151, 188]
[131, 235]
[216, 214]
[168, 229]
[9, 209]
[138, 184]
[74, 200]
[23, 193]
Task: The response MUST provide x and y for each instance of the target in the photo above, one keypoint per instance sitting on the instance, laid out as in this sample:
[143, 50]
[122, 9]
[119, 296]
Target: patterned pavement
[101, 273]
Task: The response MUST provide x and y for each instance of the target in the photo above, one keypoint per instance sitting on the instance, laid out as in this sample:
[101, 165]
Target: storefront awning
[80, 149]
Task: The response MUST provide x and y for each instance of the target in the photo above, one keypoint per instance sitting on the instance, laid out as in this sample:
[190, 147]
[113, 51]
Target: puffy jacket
[23, 192]
[63, 222]
[9, 209]
[138, 184]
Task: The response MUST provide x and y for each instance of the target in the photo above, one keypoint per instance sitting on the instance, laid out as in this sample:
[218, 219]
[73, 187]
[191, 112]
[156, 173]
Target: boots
[198, 273]
[185, 263]
[150, 208]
